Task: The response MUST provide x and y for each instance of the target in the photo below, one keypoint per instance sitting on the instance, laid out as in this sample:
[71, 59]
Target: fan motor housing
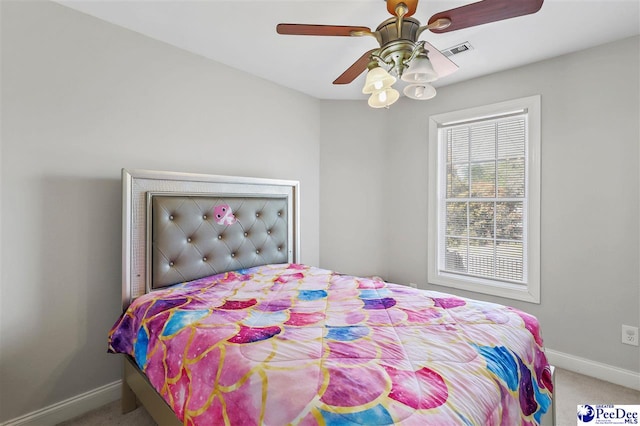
[395, 48]
[388, 30]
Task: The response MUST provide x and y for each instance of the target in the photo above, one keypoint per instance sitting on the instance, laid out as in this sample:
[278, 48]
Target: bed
[221, 324]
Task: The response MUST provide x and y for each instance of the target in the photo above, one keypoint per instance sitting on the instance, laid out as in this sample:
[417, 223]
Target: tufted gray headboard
[179, 227]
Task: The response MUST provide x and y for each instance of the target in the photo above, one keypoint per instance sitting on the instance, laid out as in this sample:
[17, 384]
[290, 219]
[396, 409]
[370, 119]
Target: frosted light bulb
[420, 91]
[383, 98]
[377, 79]
[420, 70]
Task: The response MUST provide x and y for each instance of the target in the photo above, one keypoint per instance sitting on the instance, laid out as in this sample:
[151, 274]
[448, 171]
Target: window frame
[530, 290]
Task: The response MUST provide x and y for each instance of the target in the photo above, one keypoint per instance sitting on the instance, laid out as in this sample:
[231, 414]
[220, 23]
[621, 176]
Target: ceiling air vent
[463, 47]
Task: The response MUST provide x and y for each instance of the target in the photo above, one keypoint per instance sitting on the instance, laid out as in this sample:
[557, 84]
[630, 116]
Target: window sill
[477, 285]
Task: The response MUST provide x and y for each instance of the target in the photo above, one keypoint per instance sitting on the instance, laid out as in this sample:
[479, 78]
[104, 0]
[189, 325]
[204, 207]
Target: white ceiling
[242, 34]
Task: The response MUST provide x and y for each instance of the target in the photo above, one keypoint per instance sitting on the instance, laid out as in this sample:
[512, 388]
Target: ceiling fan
[416, 62]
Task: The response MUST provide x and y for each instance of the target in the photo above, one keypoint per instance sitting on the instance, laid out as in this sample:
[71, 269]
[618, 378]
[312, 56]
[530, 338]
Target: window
[484, 199]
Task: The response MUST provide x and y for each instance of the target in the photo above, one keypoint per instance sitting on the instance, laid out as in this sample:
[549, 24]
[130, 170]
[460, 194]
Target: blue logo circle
[586, 413]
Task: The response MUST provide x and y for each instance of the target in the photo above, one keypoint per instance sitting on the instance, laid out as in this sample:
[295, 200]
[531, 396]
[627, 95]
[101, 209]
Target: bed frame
[170, 235]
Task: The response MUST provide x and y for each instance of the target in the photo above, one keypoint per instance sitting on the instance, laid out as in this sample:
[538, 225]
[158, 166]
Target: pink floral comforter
[292, 344]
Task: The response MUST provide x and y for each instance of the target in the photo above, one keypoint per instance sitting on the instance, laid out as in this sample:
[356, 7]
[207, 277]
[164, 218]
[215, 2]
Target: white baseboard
[69, 408]
[80, 404]
[598, 370]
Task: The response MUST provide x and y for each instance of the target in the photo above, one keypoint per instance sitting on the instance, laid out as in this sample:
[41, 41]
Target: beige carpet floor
[572, 389]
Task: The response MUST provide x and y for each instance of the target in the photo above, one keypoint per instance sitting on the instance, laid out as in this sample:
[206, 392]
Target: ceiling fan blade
[321, 30]
[354, 70]
[484, 12]
[442, 65]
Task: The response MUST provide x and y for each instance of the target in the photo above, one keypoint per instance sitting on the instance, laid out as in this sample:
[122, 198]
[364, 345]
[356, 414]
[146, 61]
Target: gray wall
[590, 192]
[80, 100]
[353, 220]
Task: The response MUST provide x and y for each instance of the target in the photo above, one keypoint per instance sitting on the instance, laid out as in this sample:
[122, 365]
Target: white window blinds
[483, 233]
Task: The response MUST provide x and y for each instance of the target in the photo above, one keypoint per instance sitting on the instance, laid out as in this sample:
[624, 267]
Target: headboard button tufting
[183, 249]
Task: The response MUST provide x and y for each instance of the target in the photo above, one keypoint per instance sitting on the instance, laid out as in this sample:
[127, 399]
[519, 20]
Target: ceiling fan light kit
[377, 79]
[420, 92]
[378, 83]
[402, 54]
[383, 98]
[420, 69]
